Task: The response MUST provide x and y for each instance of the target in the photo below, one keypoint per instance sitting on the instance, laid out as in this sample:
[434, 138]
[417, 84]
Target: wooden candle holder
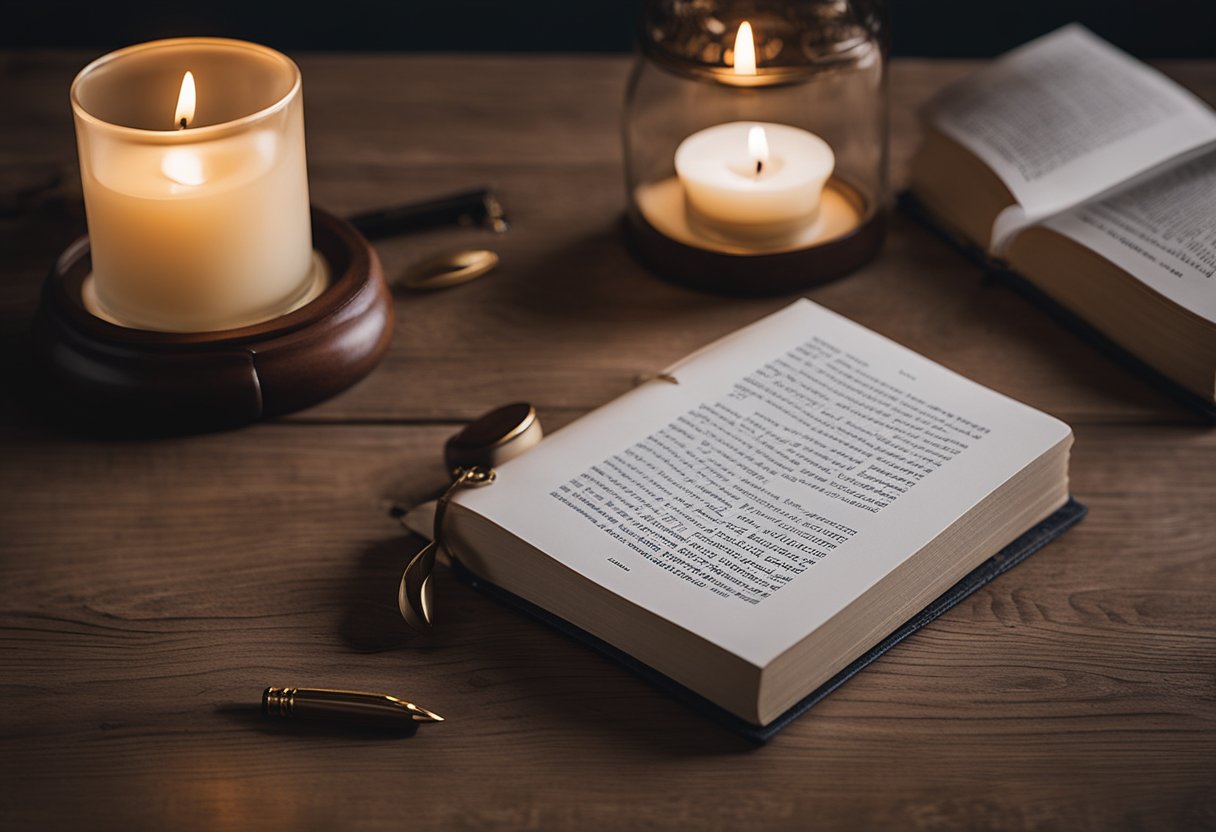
[113, 378]
[675, 254]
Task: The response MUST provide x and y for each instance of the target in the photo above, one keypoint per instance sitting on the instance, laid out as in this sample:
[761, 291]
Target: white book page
[796, 463]
[1065, 118]
[1161, 230]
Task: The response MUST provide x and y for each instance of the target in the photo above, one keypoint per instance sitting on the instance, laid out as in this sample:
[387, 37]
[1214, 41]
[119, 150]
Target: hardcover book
[1092, 177]
[805, 494]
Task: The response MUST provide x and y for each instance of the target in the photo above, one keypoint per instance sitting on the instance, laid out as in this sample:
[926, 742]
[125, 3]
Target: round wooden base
[107, 377]
[723, 271]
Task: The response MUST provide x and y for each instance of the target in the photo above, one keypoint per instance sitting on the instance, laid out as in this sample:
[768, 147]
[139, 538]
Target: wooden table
[149, 590]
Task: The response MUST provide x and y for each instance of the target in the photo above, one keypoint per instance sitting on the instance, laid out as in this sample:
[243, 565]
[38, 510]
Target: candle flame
[745, 50]
[185, 102]
[757, 146]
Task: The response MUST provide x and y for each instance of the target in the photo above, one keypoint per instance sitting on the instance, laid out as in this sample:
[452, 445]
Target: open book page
[1065, 118]
[1161, 230]
[795, 463]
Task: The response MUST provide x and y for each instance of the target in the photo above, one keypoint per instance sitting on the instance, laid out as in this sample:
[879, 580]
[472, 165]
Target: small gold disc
[450, 269]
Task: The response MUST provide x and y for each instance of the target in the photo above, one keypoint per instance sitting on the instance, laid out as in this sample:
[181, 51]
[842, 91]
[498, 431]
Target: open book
[750, 533]
[1093, 177]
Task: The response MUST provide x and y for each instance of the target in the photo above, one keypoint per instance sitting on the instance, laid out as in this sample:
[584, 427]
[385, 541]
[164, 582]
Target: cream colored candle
[757, 181]
[198, 209]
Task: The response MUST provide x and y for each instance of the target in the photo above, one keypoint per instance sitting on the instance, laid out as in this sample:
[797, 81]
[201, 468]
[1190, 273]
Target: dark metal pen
[480, 207]
[344, 704]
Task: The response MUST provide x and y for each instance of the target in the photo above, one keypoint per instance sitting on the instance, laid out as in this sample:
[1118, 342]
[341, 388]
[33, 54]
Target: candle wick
[759, 166]
[181, 125]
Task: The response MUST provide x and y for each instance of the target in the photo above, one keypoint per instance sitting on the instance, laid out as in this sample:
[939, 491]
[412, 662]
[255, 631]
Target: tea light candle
[753, 181]
[195, 186]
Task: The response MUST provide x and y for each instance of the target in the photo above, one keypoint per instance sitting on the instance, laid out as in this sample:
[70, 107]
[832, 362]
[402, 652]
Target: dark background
[945, 28]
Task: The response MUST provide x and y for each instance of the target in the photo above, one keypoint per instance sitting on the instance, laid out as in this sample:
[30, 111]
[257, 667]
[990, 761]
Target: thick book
[805, 494]
[1091, 177]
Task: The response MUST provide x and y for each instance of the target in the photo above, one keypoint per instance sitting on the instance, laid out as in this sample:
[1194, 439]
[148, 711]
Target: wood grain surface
[150, 589]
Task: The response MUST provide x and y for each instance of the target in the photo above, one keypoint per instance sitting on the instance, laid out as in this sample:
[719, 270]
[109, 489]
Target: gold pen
[344, 704]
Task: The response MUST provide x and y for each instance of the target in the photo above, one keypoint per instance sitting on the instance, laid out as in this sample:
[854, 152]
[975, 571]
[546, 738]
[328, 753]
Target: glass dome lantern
[755, 141]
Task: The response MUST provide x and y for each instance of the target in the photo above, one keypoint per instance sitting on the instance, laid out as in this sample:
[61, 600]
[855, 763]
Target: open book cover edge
[1000, 272]
[1025, 545]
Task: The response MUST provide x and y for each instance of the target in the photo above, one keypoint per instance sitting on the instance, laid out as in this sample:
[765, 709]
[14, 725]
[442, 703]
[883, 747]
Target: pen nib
[421, 714]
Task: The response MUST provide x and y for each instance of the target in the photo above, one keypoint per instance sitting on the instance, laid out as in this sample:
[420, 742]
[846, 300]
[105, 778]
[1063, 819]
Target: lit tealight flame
[757, 146]
[745, 50]
[185, 102]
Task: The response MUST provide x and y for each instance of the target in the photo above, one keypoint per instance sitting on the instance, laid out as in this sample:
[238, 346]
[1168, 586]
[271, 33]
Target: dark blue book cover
[1027, 544]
